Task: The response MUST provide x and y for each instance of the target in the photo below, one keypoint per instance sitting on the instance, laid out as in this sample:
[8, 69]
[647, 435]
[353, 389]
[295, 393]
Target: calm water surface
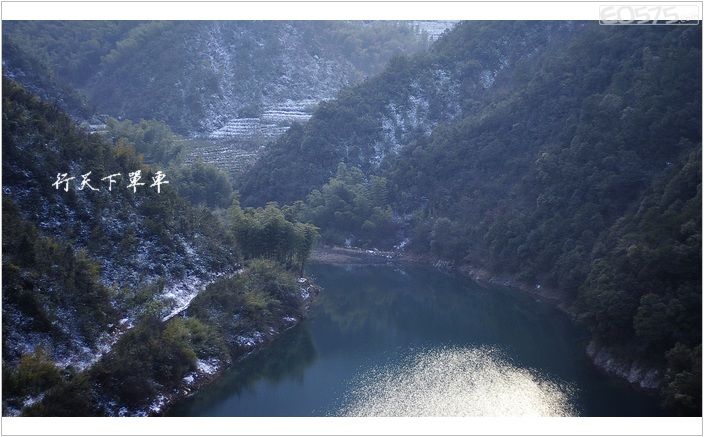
[407, 341]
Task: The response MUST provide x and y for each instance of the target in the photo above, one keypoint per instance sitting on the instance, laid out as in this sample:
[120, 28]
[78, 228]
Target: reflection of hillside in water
[427, 306]
[358, 302]
[286, 359]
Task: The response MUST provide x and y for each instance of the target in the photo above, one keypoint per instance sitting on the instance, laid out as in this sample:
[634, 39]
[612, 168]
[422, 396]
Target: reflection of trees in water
[383, 297]
[358, 296]
[429, 305]
[285, 359]
[354, 309]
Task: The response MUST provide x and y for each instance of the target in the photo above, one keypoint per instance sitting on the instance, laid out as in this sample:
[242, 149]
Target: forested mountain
[563, 155]
[93, 267]
[561, 159]
[197, 75]
[465, 69]
[575, 167]
[587, 180]
[33, 72]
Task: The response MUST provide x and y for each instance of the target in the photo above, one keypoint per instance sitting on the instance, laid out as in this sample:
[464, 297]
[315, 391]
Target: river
[409, 341]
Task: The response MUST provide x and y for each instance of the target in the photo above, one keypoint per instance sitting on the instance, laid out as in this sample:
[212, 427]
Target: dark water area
[384, 340]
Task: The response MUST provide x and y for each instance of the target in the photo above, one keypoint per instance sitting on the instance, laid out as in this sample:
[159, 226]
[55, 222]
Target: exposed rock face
[627, 368]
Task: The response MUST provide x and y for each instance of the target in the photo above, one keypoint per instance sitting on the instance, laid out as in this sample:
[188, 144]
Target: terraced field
[239, 142]
[273, 121]
[232, 155]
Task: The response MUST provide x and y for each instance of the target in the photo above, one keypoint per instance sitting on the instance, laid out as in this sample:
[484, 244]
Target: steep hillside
[143, 246]
[376, 119]
[201, 77]
[95, 271]
[37, 77]
[532, 182]
[643, 292]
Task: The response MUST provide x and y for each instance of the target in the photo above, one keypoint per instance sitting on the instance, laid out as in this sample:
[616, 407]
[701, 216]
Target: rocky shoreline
[614, 363]
[607, 359]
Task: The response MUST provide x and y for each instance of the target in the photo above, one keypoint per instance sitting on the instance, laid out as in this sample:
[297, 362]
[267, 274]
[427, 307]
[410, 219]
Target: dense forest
[564, 155]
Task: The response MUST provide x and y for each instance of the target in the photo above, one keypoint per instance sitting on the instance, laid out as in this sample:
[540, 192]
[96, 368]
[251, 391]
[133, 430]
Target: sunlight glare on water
[457, 382]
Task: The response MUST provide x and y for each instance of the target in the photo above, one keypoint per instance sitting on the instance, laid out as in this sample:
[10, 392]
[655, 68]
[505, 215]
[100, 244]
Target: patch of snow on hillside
[180, 294]
[208, 367]
[434, 28]
[486, 78]
[406, 118]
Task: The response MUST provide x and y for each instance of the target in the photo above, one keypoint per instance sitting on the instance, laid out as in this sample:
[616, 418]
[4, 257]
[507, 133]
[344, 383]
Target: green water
[385, 340]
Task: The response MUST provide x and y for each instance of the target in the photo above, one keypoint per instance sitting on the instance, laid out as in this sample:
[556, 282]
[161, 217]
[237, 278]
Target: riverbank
[607, 359]
[159, 361]
[352, 255]
[245, 345]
